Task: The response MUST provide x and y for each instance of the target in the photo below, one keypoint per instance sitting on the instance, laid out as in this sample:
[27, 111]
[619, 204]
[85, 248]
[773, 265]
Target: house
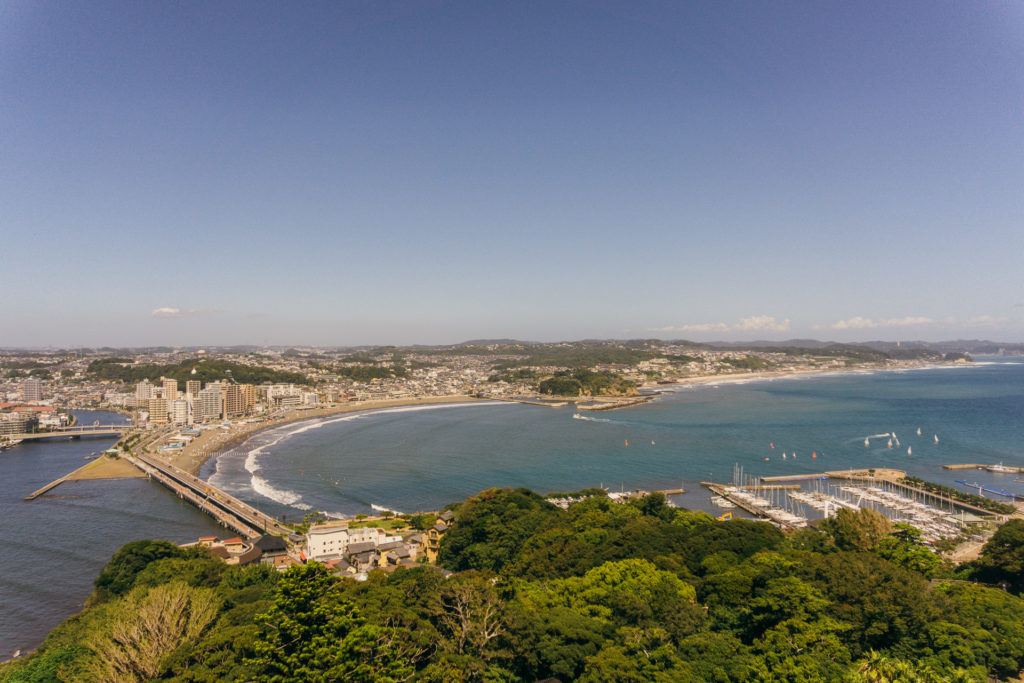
[271, 547]
[432, 539]
[232, 551]
[234, 545]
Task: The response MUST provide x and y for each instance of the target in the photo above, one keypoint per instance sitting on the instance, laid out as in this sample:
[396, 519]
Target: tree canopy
[634, 591]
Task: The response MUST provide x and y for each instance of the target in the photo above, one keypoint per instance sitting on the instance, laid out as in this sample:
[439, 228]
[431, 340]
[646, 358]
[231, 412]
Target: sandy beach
[213, 441]
[788, 373]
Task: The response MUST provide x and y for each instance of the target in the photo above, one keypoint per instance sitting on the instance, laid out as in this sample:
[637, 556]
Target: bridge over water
[76, 432]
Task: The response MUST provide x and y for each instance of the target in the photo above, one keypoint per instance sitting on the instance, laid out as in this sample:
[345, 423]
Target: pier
[49, 487]
[998, 468]
[795, 477]
[534, 402]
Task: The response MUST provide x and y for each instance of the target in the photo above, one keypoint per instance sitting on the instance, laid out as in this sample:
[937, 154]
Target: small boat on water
[783, 456]
[814, 455]
[935, 438]
[626, 442]
[910, 450]
[722, 502]
[919, 431]
[652, 442]
[867, 442]
[1001, 469]
[889, 445]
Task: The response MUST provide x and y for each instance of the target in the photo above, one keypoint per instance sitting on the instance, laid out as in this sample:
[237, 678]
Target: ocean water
[54, 546]
[420, 459]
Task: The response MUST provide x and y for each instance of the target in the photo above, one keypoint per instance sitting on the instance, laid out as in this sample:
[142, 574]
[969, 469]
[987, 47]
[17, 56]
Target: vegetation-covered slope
[600, 592]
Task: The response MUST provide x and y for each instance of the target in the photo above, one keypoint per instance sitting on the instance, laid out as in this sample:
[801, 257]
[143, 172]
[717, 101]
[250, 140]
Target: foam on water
[273, 437]
[577, 416]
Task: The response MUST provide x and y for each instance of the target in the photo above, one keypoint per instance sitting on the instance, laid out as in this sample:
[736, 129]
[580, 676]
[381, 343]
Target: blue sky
[380, 172]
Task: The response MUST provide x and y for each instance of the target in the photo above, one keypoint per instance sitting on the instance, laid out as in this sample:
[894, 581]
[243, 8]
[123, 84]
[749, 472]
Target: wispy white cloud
[757, 323]
[985, 321]
[174, 312]
[765, 323]
[861, 323]
[693, 327]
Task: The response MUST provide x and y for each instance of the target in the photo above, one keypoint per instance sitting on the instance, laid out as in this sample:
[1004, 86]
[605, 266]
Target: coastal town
[199, 385]
[183, 406]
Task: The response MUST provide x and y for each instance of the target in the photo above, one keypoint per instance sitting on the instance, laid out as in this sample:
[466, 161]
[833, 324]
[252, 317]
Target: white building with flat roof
[334, 538]
[144, 390]
[180, 412]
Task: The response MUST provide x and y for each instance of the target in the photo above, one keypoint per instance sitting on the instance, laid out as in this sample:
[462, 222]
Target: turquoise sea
[422, 458]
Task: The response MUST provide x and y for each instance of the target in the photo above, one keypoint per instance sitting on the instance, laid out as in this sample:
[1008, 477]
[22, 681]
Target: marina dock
[795, 477]
[759, 511]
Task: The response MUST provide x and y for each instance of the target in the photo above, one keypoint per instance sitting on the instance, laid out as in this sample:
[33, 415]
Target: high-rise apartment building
[31, 390]
[170, 389]
[192, 387]
[233, 401]
[144, 390]
[250, 396]
[179, 411]
[209, 403]
[158, 410]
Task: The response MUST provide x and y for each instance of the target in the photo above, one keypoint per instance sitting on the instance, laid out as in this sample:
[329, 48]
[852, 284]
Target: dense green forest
[632, 592]
[586, 383]
[206, 370]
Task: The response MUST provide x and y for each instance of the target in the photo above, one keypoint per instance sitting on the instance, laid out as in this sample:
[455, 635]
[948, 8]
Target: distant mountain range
[970, 346]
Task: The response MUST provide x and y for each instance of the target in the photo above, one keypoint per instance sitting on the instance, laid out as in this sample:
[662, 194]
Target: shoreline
[214, 442]
[208, 446]
[769, 375]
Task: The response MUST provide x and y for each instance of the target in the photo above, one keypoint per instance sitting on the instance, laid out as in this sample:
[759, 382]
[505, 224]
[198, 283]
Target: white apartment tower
[208, 406]
[144, 390]
[180, 412]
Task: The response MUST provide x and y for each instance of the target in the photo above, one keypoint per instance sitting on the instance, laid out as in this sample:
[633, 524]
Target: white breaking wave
[381, 508]
[577, 416]
[282, 496]
[285, 497]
